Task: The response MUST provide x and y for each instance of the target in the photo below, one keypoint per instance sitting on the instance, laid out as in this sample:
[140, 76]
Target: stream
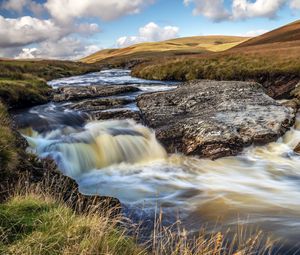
[260, 188]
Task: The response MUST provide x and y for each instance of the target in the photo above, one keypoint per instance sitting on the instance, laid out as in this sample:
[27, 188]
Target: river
[121, 158]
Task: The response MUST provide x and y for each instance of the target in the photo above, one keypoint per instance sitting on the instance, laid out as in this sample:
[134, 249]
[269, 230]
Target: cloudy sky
[70, 29]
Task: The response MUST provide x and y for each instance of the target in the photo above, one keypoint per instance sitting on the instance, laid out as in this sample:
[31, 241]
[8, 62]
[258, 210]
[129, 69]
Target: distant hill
[286, 34]
[169, 48]
[272, 59]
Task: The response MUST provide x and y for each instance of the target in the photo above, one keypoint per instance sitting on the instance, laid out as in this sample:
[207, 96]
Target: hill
[272, 59]
[169, 48]
[286, 34]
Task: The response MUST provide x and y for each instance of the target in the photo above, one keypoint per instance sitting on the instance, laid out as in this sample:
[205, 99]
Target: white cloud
[65, 48]
[254, 33]
[19, 6]
[149, 33]
[239, 9]
[67, 10]
[212, 9]
[243, 9]
[295, 4]
[26, 30]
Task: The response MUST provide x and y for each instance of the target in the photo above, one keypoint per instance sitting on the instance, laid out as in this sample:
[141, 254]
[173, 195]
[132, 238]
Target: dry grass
[169, 48]
[36, 220]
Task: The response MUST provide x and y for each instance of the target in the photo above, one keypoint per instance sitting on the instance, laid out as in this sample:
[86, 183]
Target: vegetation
[8, 150]
[36, 220]
[272, 54]
[231, 65]
[23, 83]
[166, 49]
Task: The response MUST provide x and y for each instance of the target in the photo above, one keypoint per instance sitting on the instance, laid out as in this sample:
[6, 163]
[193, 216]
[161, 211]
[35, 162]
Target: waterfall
[97, 145]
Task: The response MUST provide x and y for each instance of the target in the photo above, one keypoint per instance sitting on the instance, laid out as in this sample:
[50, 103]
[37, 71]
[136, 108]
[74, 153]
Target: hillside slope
[289, 33]
[272, 59]
[169, 48]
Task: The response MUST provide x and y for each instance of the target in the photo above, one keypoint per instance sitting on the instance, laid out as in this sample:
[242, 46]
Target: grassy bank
[23, 83]
[8, 148]
[231, 65]
[36, 220]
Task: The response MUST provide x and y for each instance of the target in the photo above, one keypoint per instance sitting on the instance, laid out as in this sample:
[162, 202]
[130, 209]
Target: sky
[71, 29]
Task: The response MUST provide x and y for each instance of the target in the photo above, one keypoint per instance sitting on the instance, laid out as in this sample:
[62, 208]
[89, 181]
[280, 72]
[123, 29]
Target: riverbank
[171, 241]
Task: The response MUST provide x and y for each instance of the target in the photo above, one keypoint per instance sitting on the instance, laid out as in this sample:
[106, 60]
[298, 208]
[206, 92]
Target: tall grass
[240, 64]
[38, 220]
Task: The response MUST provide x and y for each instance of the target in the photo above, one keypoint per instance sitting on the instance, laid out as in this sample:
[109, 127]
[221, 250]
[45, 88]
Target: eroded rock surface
[215, 119]
[101, 104]
[76, 93]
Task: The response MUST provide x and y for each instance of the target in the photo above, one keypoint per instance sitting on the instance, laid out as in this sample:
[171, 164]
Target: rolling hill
[286, 34]
[272, 59]
[169, 48]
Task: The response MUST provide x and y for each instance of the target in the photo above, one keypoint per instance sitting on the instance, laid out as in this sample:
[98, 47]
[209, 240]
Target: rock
[100, 104]
[116, 114]
[278, 86]
[296, 91]
[213, 118]
[76, 93]
[297, 149]
[294, 104]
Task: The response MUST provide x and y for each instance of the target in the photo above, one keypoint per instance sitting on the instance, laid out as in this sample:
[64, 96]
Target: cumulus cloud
[20, 5]
[295, 4]
[243, 9]
[65, 48]
[149, 33]
[212, 9]
[239, 9]
[103, 9]
[26, 30]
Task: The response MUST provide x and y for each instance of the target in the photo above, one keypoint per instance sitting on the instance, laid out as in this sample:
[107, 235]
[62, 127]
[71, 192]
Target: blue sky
[69, 29]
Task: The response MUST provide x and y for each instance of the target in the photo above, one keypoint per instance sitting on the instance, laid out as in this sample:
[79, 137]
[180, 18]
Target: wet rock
[214, 119]
[119, 114]
[84, 92]
[297, 149]
[100, 104]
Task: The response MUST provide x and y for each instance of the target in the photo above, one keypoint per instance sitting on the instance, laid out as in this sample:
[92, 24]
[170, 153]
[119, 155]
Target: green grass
[8, 150]
[38, 225]
[23, 83]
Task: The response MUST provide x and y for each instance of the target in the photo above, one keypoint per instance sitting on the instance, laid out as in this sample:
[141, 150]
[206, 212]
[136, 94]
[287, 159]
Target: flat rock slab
[214, 118]
[100, 104]
[76, 93]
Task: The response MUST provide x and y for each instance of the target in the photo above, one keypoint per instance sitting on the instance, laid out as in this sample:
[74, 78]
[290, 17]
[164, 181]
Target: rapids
[260, 187]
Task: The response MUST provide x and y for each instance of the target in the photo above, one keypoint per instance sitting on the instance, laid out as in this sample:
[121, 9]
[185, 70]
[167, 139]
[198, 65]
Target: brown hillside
[289, 33]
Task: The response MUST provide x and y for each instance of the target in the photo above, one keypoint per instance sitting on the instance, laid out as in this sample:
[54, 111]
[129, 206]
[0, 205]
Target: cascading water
[97, 145]
[123, 159]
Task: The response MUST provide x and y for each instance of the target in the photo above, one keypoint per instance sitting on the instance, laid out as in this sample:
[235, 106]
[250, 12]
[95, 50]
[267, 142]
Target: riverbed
[260, 188]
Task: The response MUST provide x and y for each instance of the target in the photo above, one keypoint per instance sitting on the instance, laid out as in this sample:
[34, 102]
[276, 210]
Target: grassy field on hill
[265, 57]
[170, 48]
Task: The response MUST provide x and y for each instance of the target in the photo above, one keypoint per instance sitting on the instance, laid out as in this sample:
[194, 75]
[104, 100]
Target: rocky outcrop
[278, 86]
[100, 104]
[214, 119]
[120, 114]
[76, 93]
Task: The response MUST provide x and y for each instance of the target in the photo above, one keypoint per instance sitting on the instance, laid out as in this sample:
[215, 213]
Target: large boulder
[213, 118]
[76, 93]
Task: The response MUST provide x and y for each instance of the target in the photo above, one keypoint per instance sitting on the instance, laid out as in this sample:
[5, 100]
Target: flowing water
[260, 187]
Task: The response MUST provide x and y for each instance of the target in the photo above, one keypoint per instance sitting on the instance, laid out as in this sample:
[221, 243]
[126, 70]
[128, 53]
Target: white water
[124, 160]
